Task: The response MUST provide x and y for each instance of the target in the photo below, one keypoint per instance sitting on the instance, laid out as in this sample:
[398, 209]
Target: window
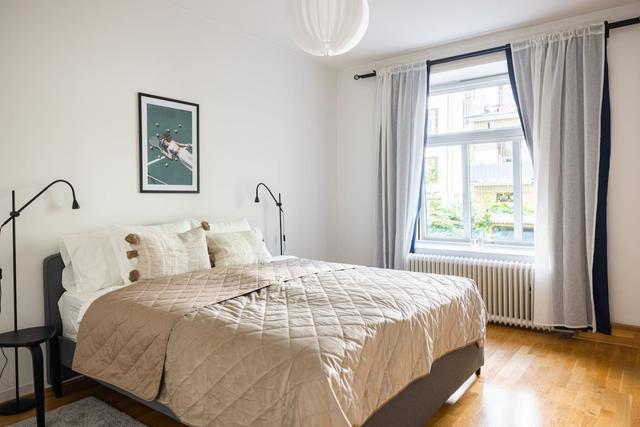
[432, 121]
[478, 178]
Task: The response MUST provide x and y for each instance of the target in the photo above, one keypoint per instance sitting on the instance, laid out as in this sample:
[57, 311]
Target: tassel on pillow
[134, 275]
[132, 239]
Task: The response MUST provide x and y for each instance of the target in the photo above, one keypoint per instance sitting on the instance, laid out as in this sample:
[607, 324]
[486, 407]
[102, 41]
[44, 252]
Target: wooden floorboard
[529, 379]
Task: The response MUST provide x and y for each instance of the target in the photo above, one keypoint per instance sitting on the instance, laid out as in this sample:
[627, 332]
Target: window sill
[499, 252]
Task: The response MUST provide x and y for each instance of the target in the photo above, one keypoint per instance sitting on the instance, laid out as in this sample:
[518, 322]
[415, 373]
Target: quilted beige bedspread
[297, 342]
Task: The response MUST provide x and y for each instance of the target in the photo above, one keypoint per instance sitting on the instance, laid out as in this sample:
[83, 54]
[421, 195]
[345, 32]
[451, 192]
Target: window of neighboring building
[478, 179]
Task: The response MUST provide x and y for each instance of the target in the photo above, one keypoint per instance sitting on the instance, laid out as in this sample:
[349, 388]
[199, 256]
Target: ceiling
[397, 26]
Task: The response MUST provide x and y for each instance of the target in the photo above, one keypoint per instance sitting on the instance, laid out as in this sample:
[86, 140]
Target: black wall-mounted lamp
[16, 406]
[278, 202]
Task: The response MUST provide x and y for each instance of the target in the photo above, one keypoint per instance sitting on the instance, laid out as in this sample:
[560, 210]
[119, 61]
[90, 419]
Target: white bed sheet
[73, 305]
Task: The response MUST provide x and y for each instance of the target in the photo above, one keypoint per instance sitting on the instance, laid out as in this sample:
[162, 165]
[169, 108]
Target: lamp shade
[328, 27]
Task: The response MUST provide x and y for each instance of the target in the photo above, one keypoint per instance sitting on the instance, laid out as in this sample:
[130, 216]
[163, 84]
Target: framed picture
[169, 145]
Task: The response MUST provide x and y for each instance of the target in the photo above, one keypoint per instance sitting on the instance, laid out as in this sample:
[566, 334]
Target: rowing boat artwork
[169, 145]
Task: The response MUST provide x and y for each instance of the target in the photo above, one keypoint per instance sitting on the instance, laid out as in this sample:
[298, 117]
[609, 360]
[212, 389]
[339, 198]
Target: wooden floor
[544, 379]
[529, 379]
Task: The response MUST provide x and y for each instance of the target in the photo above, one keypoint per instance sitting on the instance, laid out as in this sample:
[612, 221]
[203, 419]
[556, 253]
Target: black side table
[31, 338]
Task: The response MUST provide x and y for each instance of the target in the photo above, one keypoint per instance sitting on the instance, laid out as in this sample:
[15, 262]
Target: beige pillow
[167, 254]
[121, 248]
[224, 226]
[241, 247]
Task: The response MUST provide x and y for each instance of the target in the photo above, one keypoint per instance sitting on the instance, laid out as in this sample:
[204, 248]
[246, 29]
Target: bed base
[413, 406]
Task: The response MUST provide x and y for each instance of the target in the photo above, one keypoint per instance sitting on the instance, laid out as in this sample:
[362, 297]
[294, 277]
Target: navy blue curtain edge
[514, 89]
[416, 221]
[600, 270]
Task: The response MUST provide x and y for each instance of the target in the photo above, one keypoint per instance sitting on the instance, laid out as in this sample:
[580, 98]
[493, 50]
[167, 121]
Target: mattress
[73, 305]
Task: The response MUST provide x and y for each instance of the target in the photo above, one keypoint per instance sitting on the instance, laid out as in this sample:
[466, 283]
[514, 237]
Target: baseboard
[10, 394]
[26, 390]
[626, 327]
[621, 334]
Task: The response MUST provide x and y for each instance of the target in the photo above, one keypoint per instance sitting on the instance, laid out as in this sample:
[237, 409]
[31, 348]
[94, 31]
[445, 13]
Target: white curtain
[559, 79]
[401, 115]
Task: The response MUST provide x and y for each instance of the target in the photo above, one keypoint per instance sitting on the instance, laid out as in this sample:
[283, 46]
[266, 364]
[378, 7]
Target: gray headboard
[53, 290]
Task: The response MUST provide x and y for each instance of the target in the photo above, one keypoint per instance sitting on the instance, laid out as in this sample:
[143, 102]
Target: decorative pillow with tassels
[156, 254]
[121, 247]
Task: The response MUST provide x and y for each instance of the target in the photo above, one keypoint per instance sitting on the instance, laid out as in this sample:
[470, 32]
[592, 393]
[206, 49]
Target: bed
[365, 360]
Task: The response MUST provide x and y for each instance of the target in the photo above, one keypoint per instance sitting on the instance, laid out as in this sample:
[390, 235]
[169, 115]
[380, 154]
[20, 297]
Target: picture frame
[169, 143]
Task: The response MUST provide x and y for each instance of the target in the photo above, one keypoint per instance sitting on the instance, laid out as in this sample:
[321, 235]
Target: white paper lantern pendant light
[328, 27]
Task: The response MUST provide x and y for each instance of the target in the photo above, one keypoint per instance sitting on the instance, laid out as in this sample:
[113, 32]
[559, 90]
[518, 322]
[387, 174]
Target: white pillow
[120, 247]
[260, 236]
[68, 280]
[89, 258]
[167, 254]
[225, 226]
[241, 247]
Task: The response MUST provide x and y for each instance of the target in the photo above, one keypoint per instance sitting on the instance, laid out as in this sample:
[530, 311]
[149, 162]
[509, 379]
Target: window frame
[464, 139]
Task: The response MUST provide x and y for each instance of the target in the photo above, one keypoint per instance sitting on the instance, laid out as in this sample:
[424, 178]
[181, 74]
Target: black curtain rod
[364, 76]
[607, 25]
[447, 59]
[468, 55]
[619, 24]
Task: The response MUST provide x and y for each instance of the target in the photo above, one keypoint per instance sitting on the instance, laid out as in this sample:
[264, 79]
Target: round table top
[27, 337]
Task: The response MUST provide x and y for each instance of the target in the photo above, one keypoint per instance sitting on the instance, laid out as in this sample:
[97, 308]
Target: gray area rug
[87, 412]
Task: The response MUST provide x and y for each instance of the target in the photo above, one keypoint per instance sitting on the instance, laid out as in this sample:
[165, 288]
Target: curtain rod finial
[364, 76]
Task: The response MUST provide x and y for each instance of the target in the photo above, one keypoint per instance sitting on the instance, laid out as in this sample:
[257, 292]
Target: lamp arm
[278, 203]
[17, 212]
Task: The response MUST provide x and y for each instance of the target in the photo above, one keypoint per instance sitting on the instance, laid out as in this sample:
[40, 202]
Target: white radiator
[505, 286]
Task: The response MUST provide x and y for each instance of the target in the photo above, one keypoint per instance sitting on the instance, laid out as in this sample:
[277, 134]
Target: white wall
[357, 153]
[624, 177]
[69, 76]
[356, 169]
